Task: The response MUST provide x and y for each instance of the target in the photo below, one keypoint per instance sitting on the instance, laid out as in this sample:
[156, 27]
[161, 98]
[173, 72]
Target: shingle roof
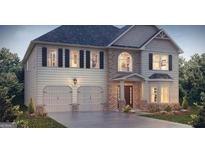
[160, 76]
[95, 35]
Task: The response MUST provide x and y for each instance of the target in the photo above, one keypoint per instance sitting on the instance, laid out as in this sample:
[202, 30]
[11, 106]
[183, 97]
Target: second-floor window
[52, 57]
[94, 59]
[74, 61]
[160, 62]
[125, 62]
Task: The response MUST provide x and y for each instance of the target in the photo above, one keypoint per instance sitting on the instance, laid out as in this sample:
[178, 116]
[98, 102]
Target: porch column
[145, 91]
[122, 90]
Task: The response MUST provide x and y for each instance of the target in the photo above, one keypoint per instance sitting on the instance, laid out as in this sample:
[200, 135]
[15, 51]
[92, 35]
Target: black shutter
[87, 59]
[81, 59]
[150, 61]
[67, 58]
[44, 56]
[101, 60]
[60, 57]
[170, 62]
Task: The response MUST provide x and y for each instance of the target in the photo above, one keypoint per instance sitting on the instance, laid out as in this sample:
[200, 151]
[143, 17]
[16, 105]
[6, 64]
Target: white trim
[121, 35]
[126, 32]
[130, 75]
[144, 45]
[162, 30]
[160, 80]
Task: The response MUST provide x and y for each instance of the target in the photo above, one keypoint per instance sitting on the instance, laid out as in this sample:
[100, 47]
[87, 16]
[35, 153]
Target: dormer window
[125, 62]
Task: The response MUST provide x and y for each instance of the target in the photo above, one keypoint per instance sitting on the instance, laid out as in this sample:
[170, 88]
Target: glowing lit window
[125, 62]
[52, 57]
[164, 94]
[154, 94]
[160, 62]
[74, 61]
[94, 59]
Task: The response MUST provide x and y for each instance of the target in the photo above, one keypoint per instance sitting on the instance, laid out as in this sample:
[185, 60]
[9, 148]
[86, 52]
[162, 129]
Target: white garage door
[90, 98]
[57, 98]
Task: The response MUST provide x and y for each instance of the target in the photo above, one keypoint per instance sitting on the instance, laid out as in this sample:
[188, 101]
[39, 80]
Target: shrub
[126, 109]
[153, 107]
[31, 107]
[168, 108]
[199, 121]
[7, 112]
[22, 124]
[185, 104]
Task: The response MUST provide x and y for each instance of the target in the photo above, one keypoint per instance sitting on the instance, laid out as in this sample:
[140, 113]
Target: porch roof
[130, 77]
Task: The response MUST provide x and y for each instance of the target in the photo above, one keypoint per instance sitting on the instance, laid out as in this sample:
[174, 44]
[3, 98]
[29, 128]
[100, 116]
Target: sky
[191, 38]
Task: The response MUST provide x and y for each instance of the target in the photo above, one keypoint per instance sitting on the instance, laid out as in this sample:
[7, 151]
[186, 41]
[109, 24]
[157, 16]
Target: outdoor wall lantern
[75, 81]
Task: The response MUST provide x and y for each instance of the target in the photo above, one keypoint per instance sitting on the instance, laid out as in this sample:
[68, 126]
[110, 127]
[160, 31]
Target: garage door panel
[57, 98]
[90, 98]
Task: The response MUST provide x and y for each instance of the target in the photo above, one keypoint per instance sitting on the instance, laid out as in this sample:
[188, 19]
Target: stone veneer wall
[113, 72]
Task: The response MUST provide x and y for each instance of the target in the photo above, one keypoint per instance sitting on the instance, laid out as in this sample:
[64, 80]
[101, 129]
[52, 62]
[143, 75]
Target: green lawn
[41, 122]
[183, 118]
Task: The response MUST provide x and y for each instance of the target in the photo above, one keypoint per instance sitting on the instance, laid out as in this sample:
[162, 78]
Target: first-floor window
[125, 62]
[52, 57]
[94, 59]
[164, 94]
[154, 94]
[74, 59]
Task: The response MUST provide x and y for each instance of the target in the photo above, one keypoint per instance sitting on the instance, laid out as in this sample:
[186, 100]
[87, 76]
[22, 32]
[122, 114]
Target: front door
[129, 95]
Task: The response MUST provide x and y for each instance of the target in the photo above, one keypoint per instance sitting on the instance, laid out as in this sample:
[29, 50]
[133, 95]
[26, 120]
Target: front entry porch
[126, 90]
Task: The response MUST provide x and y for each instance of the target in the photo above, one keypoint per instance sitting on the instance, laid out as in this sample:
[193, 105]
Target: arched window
[125, 62]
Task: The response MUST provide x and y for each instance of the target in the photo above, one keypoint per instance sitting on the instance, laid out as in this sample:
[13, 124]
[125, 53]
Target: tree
[11, 84]
[191, 78]
[11, 74]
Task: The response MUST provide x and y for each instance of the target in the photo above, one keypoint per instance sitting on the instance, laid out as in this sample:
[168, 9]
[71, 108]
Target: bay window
[153, 94]
[164, 94]
[160, 62]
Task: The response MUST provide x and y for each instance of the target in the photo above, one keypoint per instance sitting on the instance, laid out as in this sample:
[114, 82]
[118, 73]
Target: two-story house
[97, 66]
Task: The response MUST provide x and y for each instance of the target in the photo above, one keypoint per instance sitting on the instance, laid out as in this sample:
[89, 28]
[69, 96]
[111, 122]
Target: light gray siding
[30, 78]
[161, 47]
[49, 76]
[137, 36]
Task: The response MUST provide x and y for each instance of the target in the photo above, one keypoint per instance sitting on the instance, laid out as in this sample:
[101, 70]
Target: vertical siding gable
[137, 36]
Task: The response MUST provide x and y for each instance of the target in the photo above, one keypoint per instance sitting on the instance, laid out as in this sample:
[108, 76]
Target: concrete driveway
[110, 120]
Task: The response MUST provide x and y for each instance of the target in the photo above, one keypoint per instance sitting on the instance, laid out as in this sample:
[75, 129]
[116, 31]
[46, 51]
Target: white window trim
[160, 59]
